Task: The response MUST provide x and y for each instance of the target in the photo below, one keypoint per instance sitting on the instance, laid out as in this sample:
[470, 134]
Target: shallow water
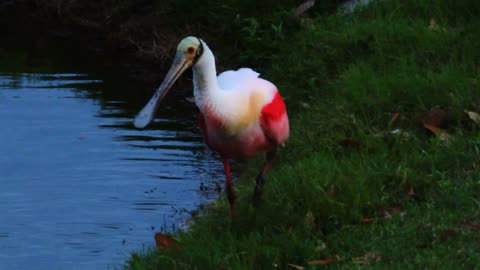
[80, 188]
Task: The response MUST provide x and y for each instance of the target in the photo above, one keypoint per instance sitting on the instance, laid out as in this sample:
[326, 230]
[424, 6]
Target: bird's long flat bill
[147, 114]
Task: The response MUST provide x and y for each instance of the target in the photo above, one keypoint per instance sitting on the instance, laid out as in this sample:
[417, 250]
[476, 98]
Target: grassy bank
[347, 191]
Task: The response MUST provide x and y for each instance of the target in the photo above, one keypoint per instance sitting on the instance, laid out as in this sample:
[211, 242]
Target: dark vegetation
[381, 170]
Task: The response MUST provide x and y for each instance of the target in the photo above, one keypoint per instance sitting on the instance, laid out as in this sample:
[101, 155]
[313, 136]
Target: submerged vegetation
[382, 168]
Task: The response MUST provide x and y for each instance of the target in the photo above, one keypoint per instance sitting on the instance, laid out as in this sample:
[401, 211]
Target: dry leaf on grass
[411, 192]
[373, 256]
[294, 266]
[367, 220]
[359, 260]
[303, 7]
[436, 119]
[394, 119]
[470, 166]
[369, 256]
[474, 116]
[164, 242]
[325, 261]
[434, 129]
[472, 227]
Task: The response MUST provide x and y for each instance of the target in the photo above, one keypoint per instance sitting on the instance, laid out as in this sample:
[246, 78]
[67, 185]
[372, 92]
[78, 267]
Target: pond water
[80, 188]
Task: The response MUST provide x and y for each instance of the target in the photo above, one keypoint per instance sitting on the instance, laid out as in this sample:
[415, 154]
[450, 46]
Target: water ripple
[80, 183]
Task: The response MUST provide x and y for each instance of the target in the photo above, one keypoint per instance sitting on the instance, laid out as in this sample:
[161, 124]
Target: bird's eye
[190, 50]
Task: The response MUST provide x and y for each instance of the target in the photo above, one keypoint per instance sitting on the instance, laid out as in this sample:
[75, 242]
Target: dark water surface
[80, 188]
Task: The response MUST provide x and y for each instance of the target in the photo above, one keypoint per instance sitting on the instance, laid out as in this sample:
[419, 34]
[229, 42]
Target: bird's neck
[205, 78]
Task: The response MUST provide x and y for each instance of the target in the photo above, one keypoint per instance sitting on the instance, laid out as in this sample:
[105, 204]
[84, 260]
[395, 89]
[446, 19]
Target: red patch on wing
[274, 120]
[274, 109]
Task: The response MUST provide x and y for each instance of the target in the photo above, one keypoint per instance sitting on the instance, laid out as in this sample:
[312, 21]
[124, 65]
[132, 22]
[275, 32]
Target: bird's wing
[261, 101]
[242, 78]
[274, 120]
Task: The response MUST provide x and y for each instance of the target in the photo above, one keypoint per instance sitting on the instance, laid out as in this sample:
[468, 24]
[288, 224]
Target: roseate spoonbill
[241, 115]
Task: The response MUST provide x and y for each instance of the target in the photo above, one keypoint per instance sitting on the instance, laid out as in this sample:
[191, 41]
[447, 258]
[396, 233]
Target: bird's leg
[229, 188]
[260, 180]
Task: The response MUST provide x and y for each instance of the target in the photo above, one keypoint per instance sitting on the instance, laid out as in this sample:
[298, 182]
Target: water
[80, 188]
[350, 5]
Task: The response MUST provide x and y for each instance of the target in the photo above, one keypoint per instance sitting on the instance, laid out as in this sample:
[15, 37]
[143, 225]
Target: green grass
[343, 78]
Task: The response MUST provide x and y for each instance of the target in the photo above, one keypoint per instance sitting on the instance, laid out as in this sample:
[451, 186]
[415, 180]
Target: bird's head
[189, 50]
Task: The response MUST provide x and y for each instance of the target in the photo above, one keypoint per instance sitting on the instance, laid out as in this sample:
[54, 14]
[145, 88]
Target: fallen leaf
[377, 258]
[367, 220]
[472, 227]
[435, 120]
[411, 191]
[394, 119]
[474, 116]
[470, 166]
[298, 267]
[434, 129]
[369, 256]
[359, 260]
[325, 261]
[164, 242]
[303, 7]
[373, 256]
